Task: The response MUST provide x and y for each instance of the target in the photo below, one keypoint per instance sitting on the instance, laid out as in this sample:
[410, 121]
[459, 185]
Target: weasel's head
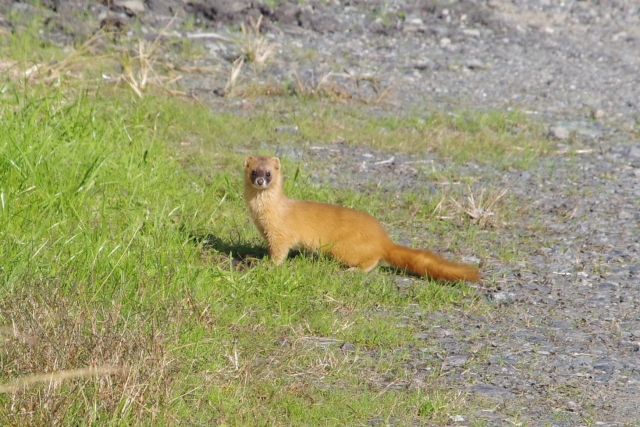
[261, 172]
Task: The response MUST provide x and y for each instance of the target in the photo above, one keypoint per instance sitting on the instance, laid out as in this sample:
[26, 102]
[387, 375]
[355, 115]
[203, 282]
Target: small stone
[20, 6]
[597, 113]
[287, 13]
[413, 25]
[377, 26]
[133, 6]
[559, 132]
[605, 365]
[625, 215]
[469, 259]
[619, 36]
[608, 286]
[424, 64]
[286, 129]
[492, 391]
[634, 152]
[581, 361]
[503, 297]
[347, 347]
[403, 282]
[457, 418]
[471, 32]
[455, 361]
[588, 133]
[474, 64]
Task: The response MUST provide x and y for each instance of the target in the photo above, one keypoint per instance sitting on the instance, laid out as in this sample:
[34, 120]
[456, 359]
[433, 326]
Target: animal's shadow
[222, 251]
[240, 255]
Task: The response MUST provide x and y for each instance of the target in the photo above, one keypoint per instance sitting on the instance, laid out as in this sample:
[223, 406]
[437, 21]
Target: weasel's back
[331, 223]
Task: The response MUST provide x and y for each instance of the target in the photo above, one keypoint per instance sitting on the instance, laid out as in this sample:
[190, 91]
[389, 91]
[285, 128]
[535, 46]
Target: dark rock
[455, 361]
[492, 391]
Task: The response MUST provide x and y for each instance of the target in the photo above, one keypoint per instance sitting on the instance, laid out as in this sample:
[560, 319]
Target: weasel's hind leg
[368, 264]
[362, 256]
[362, 261]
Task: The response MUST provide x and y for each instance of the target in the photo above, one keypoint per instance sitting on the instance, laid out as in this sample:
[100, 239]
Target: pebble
[474, 64]
[625, 215]
[286, 129]
[492, 391]
[403, 282]
[134, 6]
[503, 297]
[634, 152]
[559, 132]
[471, 32]
[598, 114]
[347, 347]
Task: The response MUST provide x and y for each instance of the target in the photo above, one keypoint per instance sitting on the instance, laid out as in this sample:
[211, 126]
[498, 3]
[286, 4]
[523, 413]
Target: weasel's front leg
[278, 252]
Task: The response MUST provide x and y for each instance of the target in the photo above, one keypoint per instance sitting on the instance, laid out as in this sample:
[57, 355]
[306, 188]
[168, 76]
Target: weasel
[354, 238]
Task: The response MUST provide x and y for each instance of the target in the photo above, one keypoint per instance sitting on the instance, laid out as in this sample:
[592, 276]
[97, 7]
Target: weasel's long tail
[425, 263]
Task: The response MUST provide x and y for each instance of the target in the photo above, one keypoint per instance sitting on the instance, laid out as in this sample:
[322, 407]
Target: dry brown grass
[22, 383]
[138, 66]
[482, 209]
[349, 88]
[254, 47]
[66, 360]
[335, 87]
[233, 76]
[56, 72]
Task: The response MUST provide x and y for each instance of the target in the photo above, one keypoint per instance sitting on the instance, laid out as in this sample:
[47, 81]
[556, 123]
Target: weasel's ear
[277, 162]
[247, 160]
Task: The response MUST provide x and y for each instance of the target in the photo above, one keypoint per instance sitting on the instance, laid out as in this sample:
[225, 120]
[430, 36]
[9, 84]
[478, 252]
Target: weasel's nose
[260, 181]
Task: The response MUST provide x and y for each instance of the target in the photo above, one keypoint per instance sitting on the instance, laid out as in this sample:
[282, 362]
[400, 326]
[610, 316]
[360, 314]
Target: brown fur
[352, 237]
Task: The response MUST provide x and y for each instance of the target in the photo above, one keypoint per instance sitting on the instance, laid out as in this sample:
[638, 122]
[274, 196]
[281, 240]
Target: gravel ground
[563, 341]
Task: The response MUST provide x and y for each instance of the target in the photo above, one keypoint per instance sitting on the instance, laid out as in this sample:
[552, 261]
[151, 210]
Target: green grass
[122, 219]
[114, 238]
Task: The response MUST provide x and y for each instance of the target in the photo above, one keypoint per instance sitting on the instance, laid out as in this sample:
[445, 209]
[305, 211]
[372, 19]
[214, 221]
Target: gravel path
[562, 346]
[563, 342]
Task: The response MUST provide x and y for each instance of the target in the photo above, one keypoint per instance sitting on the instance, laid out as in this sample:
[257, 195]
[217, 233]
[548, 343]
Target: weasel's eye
[253, 173]
[268, 174]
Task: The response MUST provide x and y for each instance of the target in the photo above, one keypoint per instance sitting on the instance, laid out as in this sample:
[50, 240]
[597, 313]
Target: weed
[233, 76]
[138, 69]
[481, 209]
[254, 47]
[54, 72]
[349, 88]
